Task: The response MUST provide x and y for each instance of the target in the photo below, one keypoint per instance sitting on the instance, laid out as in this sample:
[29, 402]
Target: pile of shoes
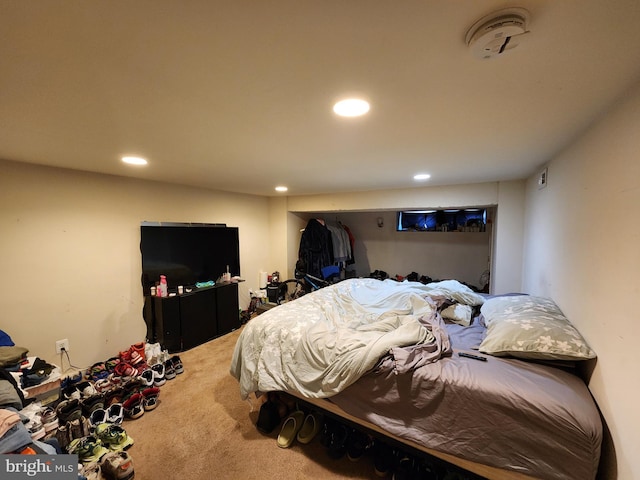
[404, 466]
[379, 275]
[93, 406]
[282, 410]
[112, 466]
[302, 424]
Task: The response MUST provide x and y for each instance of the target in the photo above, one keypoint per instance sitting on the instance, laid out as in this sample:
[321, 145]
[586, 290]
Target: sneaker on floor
[141, 367]
[137, 351]
[384, 459]
[405, 469]
[91, 471]
[71, 380]
[169, 371]
[158, 375]
[177, 364]
[125, 356]
[71, 392]
[147, 377]
[68, 410]
[86, 389]
[97, 417]
[115, 414]
[113, 437]
[150, 398]
[79, 428]
[103, 385]
[36, 429]
[268, 417]
[49, 419]
[136, 358]
[113, 396]
[89, 404]
[112, 363]
[117, 466]
[339, 435]
[89, 449]
[134, 406]
[357, 445]
[124, 369]
[63, 435]
[131, 388]
[97, 371]
[116, 380]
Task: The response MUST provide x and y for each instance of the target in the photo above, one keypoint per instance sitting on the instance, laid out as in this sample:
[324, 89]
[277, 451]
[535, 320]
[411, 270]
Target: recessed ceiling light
[281, 188]
[351, 107]
[422, 176]
[134, 160]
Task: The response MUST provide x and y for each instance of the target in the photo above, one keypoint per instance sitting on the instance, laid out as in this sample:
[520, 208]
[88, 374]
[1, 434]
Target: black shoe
[268, 418]
[358, 444]
[405, 470]
[384, 459]
[338, 442]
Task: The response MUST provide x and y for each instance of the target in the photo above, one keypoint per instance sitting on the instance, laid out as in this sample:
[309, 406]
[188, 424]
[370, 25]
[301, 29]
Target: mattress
[511, 414]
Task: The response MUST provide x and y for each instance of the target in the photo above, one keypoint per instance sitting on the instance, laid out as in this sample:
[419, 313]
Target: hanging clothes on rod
[316, 247]
[341, 243]
[352, 244]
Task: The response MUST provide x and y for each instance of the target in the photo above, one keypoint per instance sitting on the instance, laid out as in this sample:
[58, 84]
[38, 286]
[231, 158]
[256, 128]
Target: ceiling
[238, 95]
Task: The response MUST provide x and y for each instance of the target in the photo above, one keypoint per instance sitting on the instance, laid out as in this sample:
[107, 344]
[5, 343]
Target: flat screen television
[187, 253]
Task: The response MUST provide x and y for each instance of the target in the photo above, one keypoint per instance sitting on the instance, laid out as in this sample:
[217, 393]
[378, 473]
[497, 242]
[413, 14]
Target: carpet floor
[201, 429]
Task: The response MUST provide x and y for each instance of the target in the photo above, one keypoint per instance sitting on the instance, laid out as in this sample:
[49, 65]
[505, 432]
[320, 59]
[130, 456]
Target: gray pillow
[531, 327]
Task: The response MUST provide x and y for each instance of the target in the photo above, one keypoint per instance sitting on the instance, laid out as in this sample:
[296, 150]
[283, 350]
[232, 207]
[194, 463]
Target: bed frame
[482, 471]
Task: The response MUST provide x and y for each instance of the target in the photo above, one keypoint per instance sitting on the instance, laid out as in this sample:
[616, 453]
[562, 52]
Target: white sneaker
[158, 375]
[36, 429]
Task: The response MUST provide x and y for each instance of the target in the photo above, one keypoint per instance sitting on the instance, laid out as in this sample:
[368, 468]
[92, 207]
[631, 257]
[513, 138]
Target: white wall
[295, 225]
[70, 254]
[277, 253]
[506, 271]
[582, 248]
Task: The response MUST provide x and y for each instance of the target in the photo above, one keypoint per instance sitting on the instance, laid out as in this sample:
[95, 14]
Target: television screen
[187, 253]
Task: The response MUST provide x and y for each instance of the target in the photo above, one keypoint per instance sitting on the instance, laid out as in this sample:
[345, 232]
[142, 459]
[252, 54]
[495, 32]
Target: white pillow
[458, 313]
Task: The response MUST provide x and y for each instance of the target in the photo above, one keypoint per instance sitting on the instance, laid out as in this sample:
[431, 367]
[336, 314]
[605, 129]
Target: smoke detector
[495, 34]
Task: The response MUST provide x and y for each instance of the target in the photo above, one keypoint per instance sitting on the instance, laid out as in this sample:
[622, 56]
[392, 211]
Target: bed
[390, 356]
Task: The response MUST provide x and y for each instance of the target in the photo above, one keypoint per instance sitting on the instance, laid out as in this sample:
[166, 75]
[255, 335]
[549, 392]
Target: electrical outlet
[62, 344]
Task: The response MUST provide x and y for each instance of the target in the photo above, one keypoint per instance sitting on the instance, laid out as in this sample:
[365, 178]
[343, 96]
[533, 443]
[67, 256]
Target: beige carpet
[203, 430]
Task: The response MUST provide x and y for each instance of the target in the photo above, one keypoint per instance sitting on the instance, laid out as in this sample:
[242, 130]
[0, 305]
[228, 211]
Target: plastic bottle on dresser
[164, 291]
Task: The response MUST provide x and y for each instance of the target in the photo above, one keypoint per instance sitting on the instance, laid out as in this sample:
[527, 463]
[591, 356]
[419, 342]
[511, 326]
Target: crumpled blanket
[323, 342]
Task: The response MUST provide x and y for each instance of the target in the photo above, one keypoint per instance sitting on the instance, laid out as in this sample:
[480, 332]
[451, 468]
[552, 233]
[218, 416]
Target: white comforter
[321, 343]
